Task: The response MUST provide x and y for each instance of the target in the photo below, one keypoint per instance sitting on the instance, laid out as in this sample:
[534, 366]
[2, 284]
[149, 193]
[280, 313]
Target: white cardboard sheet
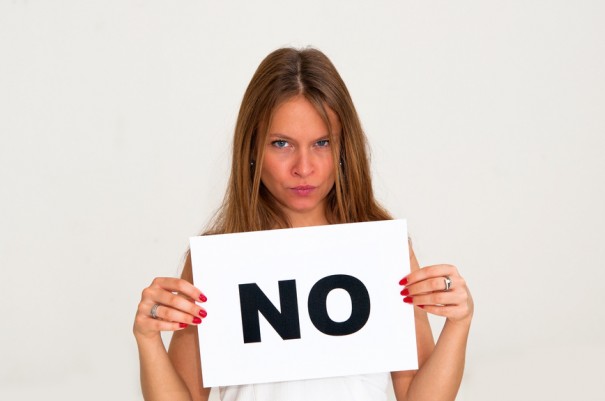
[375, 253]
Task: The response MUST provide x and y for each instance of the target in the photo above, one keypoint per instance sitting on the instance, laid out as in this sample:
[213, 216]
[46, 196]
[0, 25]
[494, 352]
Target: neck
[306, 220]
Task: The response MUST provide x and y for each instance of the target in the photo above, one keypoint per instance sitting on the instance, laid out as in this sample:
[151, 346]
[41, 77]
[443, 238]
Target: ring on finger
[448, 283]
[154, 311]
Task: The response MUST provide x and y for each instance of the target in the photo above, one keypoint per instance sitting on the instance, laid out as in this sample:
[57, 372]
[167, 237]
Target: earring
[252, 163]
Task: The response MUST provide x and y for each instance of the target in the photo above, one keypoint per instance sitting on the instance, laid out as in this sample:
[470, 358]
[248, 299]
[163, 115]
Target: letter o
[360, 305]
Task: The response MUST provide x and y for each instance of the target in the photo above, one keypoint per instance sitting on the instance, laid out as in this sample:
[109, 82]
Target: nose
[303, 164]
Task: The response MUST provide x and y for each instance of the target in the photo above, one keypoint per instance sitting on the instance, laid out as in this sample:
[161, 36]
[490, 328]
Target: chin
[302, 206]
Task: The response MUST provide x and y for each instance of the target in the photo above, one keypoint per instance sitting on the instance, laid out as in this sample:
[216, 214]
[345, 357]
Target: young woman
[300, 159]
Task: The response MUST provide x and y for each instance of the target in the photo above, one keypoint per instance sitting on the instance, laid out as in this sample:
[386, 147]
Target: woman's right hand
[176, 307]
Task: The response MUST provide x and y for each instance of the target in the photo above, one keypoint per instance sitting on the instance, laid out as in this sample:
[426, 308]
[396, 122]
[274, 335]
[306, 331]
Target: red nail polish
[403, 281]
[183, 325]
[407, 300]
[203, 313]
[405, 291]
[197, 320]
[203, 298]
[421, 306]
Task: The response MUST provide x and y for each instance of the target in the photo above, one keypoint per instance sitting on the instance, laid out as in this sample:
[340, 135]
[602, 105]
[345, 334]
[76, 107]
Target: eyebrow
[286, 137]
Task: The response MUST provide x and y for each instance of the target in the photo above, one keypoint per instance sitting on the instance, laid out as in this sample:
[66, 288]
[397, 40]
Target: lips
[303, 190]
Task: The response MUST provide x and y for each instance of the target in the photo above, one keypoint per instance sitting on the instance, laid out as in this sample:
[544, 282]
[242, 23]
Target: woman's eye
[280, 143]
[323, 143]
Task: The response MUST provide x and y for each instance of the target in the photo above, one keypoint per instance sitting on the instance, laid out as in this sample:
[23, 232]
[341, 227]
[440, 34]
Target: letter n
[253, 301]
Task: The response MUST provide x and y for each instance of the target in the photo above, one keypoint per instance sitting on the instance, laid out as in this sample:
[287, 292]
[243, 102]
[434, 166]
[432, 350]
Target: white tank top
[349, 388]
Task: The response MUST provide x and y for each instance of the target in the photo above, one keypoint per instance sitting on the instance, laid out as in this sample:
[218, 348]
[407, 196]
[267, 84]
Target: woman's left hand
[428, 289]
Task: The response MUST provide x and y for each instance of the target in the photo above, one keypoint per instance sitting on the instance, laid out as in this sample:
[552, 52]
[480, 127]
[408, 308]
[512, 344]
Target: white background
[486, 122]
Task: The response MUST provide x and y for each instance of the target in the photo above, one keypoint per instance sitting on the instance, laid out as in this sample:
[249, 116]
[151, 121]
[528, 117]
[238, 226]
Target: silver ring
[154, 310]
[448, 283]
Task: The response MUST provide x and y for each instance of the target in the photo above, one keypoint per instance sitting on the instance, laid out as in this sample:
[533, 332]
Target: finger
[201, 298]
[200, 311]
[169, 314]
[175, 307]
[426, 286]
[157, 295]
[161, 325]
[437, 298]
[452, 312]
[178, 285]
[171, 307]
[444, 311]
[429, 272]
[148, 325]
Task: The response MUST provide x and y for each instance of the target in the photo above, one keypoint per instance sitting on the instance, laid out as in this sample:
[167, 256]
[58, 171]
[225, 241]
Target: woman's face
[298, 167]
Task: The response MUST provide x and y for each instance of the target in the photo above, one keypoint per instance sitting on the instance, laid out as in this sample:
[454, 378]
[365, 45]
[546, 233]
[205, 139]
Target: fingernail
[197, 320]
[183, 325]
[405, 291]
[407, 300]
[421, 306]
[203, 313]
[203, 298]
[403, 281]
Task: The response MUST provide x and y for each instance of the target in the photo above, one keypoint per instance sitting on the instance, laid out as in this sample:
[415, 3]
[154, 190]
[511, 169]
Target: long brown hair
[283, 74]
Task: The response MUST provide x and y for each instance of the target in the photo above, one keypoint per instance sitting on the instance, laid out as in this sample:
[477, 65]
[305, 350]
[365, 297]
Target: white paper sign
[341, 315]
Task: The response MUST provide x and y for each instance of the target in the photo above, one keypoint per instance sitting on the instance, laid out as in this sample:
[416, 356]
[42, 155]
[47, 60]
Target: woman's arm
[441, 366]
[184, 352]
[162, 376]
